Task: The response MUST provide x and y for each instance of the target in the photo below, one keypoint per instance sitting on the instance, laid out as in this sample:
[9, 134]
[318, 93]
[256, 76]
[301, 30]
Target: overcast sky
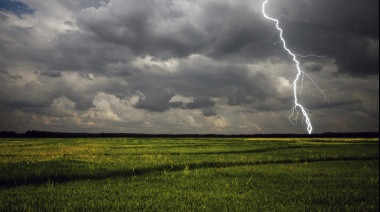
[186, 66]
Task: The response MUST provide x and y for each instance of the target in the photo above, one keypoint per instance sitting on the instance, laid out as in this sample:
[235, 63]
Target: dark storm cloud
[5, 79]
[206, 105]
[349, 35]
[50, 73]
[157, 101]
[209, 112]
[81, 52]
[83, 95]
[132, 24]
[41, 93]
[337, 103]
[202, 79]
[183, 58]
[31, 94]
[213, 79]
[222, 29]
[314, 68]
[164, 31]
[345, 31]
[242, 33]
[200, 102]
[17, 44]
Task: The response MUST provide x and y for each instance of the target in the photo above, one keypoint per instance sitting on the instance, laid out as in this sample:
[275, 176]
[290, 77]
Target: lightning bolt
[300, 76]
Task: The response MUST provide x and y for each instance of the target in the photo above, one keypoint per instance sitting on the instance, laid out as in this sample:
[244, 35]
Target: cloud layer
[174, 66]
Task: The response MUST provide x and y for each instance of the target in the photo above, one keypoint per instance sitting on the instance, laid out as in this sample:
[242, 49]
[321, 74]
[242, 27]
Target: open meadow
[189, 174]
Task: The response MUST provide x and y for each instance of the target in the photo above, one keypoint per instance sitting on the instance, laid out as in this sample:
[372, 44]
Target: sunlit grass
[189, 174]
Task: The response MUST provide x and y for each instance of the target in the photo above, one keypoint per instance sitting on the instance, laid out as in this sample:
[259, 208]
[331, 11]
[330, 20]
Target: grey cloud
[82, 52]
[160, 30]
[31, 94]
[6, 76]
[136, 28]
[79, 89]
[200, 102]
[240, 97]
[210, 79]
[346, 32]
[209, 112]
[157, 101]
[221, 30]
[256, 89]
[177, 104]
[242, 33]
[82, 102]
[205, 104]
[337, 103]
[222, 53]
[77, 6]
[50, 73]
[3, 17]
[83, 97]
[314, 68]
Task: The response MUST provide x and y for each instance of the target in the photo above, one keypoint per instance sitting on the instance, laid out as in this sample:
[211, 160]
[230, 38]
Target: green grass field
[167, 174]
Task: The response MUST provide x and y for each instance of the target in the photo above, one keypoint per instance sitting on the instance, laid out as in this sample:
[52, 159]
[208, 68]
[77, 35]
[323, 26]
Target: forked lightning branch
[298, 107]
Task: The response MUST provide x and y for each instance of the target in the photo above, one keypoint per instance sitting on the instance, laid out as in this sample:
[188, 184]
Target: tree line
[46, 134]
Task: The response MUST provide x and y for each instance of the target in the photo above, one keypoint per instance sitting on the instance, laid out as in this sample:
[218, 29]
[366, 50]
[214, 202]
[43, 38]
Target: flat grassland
[189, 174]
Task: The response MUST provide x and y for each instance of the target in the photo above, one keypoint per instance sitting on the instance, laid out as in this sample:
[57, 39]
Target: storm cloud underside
[202, 66]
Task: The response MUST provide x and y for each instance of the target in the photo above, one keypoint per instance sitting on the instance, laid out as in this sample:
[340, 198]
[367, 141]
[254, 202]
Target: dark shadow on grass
[261, 150]
[247, 151]
[63, 175]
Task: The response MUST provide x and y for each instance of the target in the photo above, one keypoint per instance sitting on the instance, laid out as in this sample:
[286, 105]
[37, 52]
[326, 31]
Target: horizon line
[49, 134]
